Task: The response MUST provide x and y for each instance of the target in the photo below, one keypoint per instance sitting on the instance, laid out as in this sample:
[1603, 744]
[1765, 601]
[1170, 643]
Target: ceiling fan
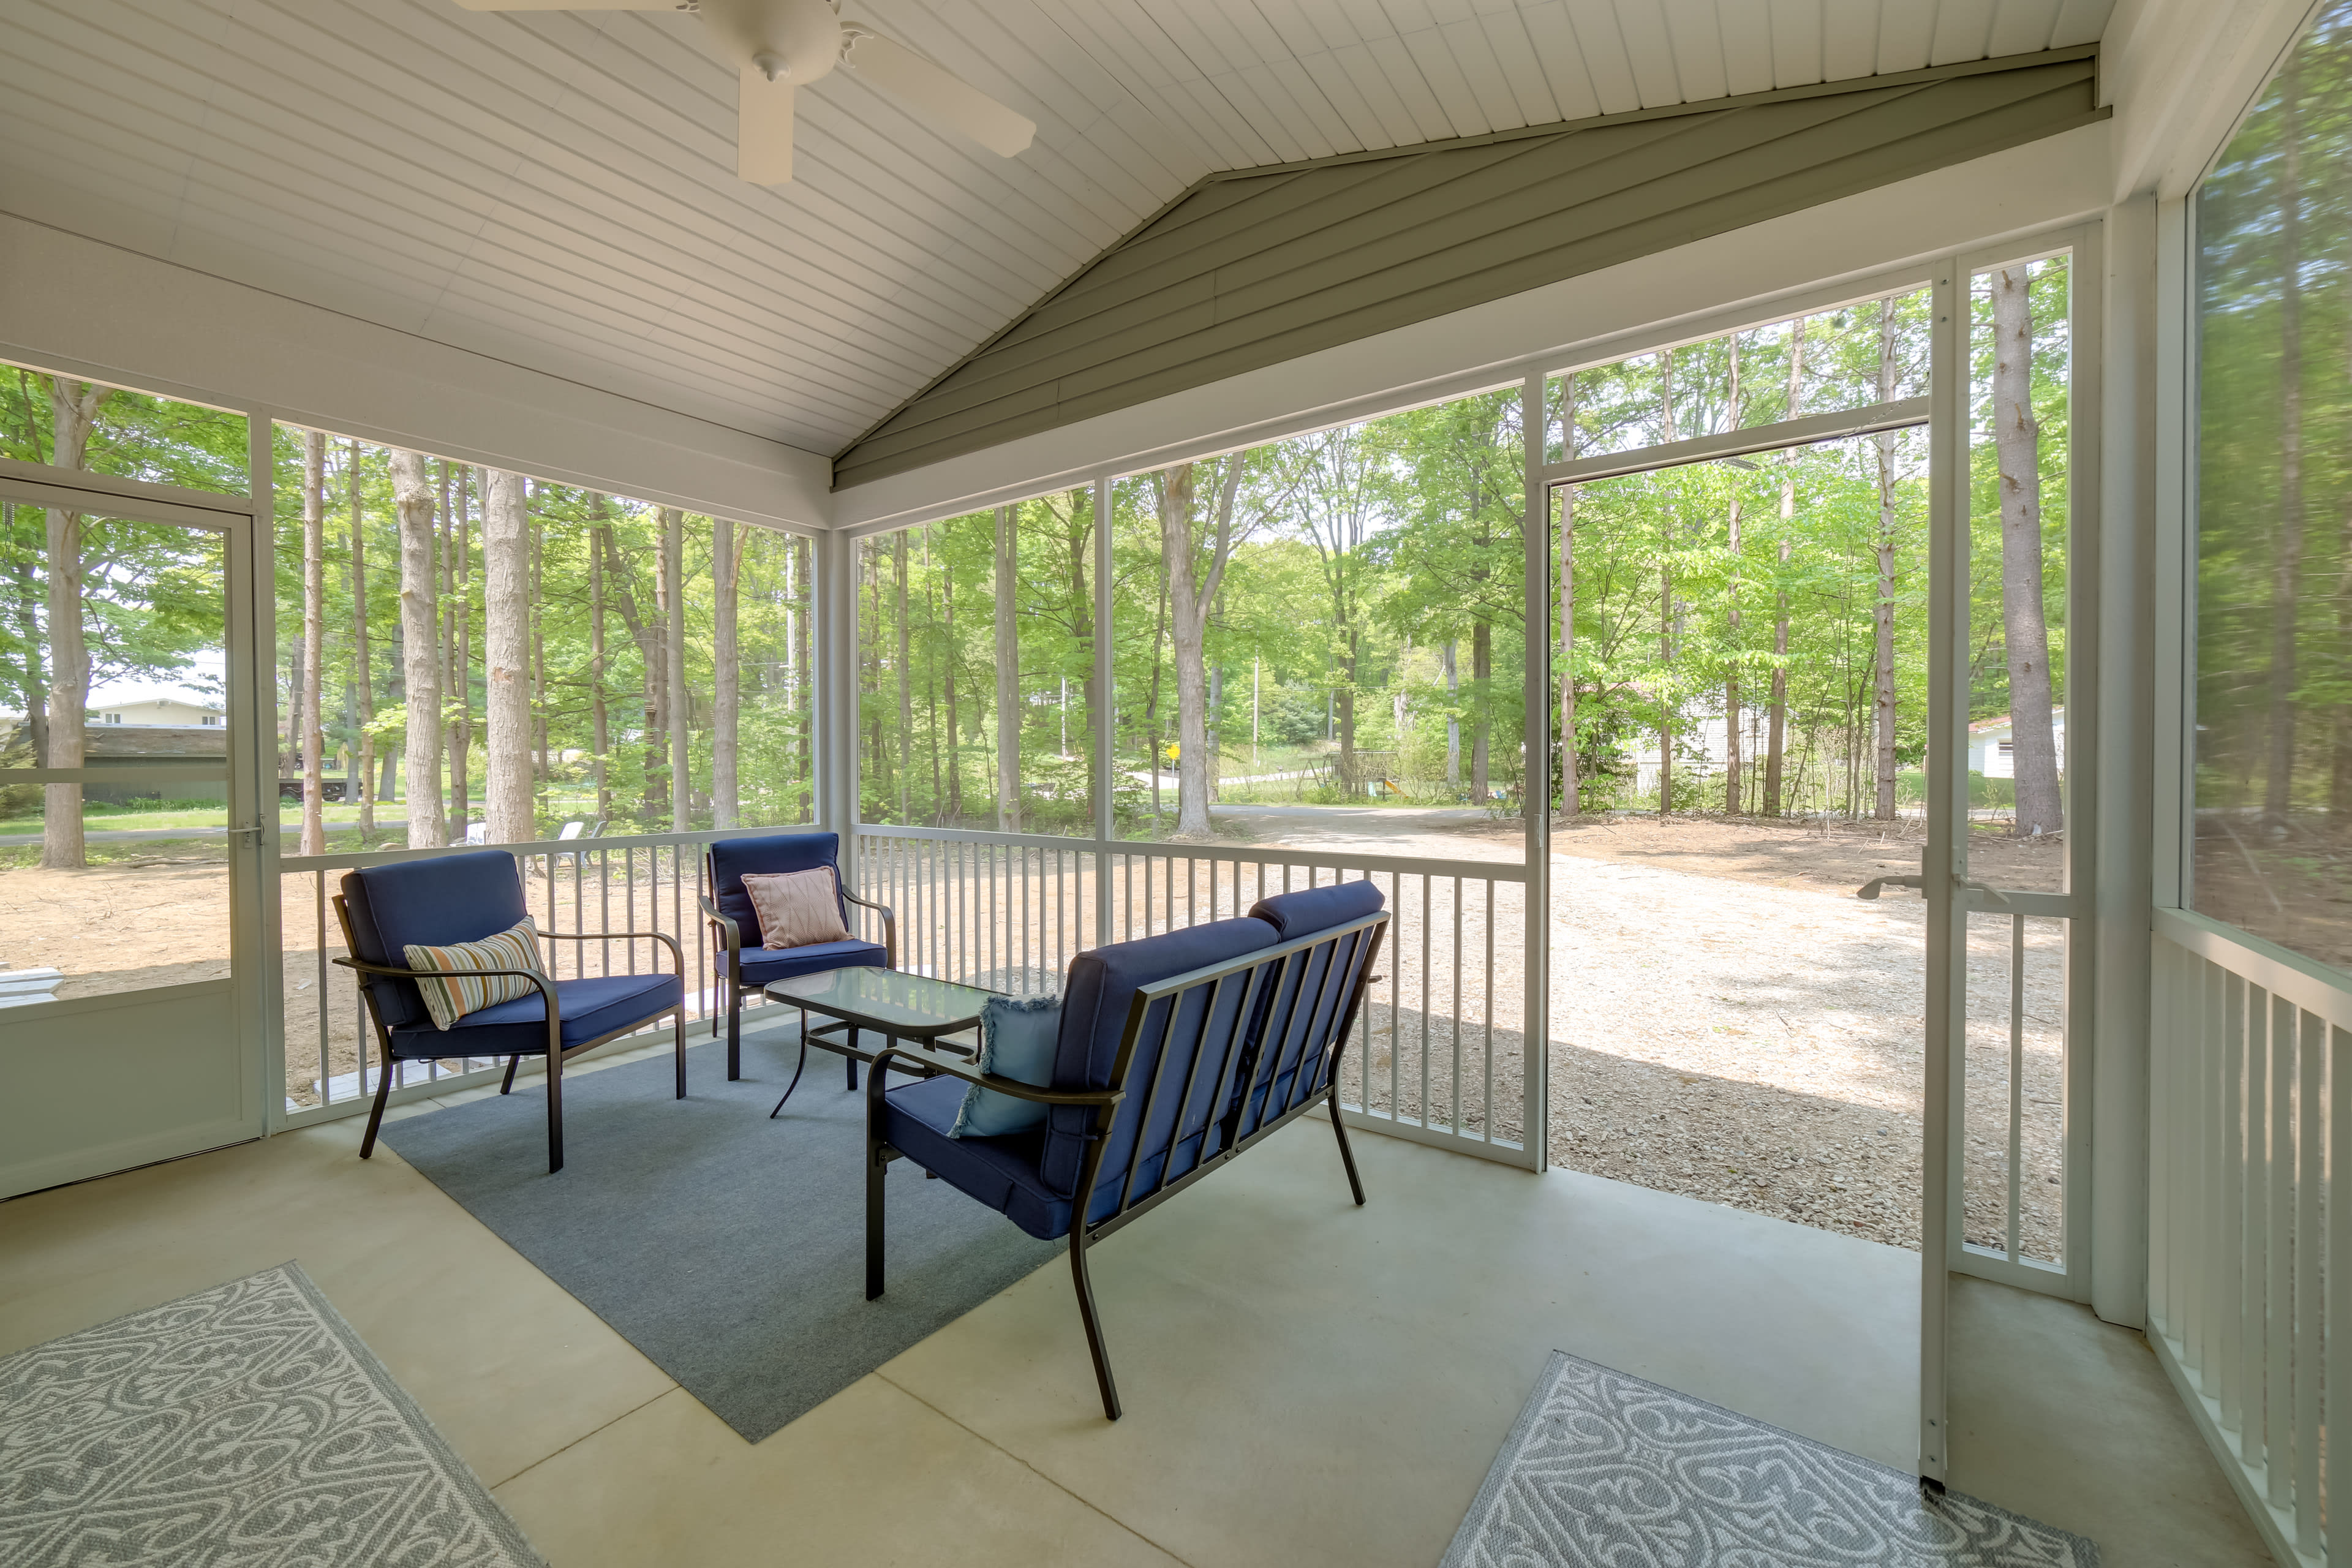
[777, 46]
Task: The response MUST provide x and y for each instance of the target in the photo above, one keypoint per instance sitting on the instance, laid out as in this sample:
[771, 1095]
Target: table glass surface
[883, 998]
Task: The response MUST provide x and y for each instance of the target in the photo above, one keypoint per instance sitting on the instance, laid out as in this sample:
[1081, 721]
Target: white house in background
[1992, 745]
[174, 711]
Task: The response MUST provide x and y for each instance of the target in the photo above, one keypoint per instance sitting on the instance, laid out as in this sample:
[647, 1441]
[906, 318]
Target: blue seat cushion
[590, 1008]
[731, 859]
[1001, 1173]
[431, 902]
[1311, 910]
[761, 964]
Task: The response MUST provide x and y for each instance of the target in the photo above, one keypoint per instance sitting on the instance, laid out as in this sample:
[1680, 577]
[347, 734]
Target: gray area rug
[244, 1425]
[1603, 1468]
[727, 1247]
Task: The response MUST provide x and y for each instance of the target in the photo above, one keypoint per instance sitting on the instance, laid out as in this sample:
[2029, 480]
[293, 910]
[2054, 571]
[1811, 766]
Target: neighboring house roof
[1985, 726]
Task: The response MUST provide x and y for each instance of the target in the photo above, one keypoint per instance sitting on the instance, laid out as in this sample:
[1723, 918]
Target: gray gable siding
[1251, 268]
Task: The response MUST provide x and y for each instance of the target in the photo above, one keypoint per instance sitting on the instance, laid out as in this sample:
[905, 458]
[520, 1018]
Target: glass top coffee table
[890, 1003]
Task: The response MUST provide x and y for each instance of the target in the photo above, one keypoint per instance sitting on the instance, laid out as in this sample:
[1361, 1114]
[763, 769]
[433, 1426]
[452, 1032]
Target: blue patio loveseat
[1175, 1053]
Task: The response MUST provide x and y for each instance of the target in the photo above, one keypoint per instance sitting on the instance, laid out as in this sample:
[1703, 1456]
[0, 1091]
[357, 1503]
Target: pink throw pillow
[797, 907]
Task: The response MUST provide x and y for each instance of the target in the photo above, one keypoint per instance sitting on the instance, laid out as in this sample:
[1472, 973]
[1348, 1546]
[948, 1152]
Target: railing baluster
[1486, 1101]
[2016, 1078]
[2279, 1351]
[2311, 1144]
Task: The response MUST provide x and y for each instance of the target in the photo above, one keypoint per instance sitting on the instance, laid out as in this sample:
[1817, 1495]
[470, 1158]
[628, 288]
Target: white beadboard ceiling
[556, 189]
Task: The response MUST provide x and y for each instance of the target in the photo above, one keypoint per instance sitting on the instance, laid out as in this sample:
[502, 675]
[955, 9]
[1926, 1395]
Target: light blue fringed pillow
[1016, 1041]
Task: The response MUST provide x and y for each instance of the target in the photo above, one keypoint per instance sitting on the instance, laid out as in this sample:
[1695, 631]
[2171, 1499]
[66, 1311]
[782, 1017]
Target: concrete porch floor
[1305, 1382]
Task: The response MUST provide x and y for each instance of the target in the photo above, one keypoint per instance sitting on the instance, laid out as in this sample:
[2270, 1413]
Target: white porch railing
[2251, 1115]
[1437, 1055]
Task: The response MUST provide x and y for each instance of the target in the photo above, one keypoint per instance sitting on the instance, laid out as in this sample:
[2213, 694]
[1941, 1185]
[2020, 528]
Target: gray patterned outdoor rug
[244, 1425]
[1605, 1469]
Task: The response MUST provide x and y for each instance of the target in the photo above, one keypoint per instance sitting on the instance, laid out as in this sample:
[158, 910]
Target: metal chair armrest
[951, 1066]
[731, 933]
[890, 925]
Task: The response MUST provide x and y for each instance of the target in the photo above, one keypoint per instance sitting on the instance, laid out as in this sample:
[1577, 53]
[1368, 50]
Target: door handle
[252, 832]
[1871, 889]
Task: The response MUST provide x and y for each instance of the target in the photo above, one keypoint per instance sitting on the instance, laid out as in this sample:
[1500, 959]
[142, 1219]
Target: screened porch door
[129, 1025]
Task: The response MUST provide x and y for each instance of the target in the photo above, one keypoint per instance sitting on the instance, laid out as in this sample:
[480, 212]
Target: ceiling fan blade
[763, 130]
[945, 97]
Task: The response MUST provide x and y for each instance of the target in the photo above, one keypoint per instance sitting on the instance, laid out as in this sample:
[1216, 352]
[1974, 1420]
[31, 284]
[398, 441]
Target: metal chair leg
[507, 1086]
[375, 1117]
[680, 1016]
[875, 1166]
[1346, 1154]
[555, 1111]
[734, 1028]
[1093, 1321]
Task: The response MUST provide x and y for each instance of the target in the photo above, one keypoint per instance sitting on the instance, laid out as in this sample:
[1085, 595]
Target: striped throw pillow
[451, 999]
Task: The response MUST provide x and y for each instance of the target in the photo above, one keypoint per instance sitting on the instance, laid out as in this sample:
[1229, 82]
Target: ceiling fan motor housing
[794, 41]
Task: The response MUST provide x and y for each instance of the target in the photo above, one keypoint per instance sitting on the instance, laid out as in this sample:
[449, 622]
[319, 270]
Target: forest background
[1338, 617]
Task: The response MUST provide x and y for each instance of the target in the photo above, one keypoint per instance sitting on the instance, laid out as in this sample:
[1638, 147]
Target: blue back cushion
[430, 902]
[1300, 1022]
[731, 859]
[1098, 990]
[1311, 910]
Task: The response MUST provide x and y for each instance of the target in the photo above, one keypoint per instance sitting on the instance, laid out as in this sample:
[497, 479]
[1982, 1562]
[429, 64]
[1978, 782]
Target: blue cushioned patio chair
[1175, 1054]
[741, 959]
[385, 909]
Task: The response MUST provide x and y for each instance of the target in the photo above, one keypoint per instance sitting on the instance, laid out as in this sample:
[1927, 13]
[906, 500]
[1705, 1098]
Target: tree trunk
[505, 655]
[648, 640]
[1734, 764]
[1572, 787]
[1882, 612]
[412, 488]
[362, 658]
[314, 641]
[955, 757]
[1481, 669]
[73, 413]
[472, 488]
[1777, 728]
[803, 554]
[2017, 446]
[2287, 582]
[673, 601]
[599, 718]
[1008, 673]
[906, 682]
[1191, 596]
[727, 676]
[540, 774]
[34, 672]
[1453, 718]
[1666, 612]
[454, 693]
[1665, 683]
